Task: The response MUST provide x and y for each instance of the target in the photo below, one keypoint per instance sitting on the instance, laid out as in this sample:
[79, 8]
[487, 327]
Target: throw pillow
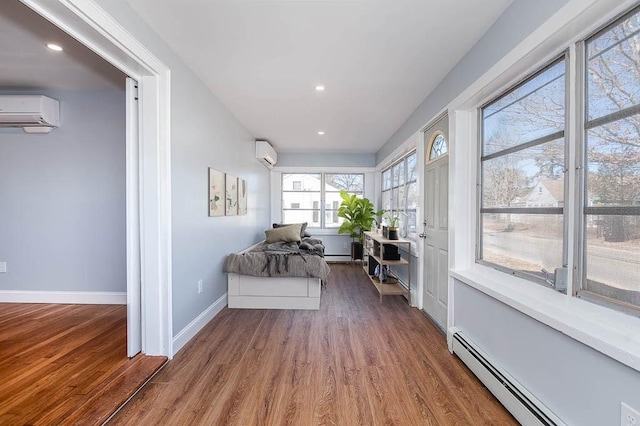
[287, 233]
[303, 231]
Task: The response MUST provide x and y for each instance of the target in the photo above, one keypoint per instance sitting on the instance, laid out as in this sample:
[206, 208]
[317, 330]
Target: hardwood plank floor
[66, 364]
[347, 364]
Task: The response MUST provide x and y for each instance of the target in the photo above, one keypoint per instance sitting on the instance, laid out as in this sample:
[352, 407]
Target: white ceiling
[378, 59]
[27, 63]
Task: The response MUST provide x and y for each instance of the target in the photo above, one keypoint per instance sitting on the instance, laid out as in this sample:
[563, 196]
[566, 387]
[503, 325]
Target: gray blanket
[280, 259]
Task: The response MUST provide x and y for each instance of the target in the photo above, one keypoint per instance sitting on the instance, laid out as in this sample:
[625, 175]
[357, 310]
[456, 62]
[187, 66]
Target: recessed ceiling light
[321, 133]
[319, 88]
[55, 47]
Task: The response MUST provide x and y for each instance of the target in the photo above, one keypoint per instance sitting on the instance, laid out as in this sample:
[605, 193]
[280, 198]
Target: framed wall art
[231, 197]
[242, 197]
[216, 193]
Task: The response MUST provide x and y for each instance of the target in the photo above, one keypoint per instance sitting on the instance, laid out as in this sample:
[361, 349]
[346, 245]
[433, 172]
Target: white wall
[62, 214]
[203, 134]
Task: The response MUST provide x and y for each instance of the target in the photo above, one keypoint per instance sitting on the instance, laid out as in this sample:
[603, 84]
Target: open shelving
[392, 287]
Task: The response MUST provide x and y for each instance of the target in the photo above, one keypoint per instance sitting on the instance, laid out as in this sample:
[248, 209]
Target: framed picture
[216, 193]
[242, 197]
[231, 205]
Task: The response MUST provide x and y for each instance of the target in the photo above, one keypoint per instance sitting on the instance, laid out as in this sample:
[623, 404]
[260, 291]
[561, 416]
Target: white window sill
[612, 333]
[325, 231]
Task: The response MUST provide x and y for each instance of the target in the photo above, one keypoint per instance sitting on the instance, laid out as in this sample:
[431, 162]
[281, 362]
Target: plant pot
[356, 250]
[393, 234]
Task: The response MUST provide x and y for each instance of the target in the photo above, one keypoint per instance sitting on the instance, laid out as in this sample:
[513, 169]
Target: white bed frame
[245, 291]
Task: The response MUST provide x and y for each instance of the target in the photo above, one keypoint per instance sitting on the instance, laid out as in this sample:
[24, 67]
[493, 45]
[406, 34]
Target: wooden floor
[354, 362]
[66, 364]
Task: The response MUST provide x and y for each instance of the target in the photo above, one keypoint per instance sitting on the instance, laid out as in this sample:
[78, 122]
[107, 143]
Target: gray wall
[62, 215]
[580, 385]
[203, 134]
[291, 159]
[517, 22]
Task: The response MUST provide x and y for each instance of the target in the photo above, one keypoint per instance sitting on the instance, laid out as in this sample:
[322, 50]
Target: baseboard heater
[525, 407]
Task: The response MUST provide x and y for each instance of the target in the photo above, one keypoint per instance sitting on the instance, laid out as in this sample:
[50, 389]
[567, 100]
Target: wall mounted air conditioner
[34, 113]
[266, 154]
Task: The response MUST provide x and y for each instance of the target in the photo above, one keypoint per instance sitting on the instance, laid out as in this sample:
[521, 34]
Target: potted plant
[359, 215]
[393, 226]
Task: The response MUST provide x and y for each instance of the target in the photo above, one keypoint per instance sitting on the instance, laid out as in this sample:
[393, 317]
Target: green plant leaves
[358, 214]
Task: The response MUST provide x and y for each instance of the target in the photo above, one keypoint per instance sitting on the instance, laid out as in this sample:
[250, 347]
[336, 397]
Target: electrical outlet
[629, 416]
[3, 267]
[199, 286]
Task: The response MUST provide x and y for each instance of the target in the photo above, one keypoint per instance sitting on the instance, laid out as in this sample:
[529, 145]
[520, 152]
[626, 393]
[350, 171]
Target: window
[611, 205]
[438, 147]
[522, 168]
[524, 228]
[400, 192]
[306, 193]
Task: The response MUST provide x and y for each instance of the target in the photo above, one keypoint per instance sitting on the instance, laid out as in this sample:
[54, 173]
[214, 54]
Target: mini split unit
[34, 113]
[266, 154]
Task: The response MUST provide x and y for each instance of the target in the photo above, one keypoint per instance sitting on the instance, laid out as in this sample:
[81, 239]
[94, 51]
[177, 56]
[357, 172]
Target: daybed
[277, 275]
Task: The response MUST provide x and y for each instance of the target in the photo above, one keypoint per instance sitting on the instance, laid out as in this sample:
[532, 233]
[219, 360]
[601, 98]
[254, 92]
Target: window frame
[575, 208]
[583, 125]
[322, 211]
[564, 134]
[403, 159]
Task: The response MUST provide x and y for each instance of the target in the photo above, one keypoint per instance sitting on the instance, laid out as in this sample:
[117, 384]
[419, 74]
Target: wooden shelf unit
[392, 287]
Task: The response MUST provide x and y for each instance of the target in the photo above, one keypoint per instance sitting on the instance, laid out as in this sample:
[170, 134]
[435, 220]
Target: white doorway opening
[148, 207]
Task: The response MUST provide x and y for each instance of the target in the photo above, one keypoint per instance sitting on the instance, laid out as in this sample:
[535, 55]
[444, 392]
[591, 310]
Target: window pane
[412, 172]
[332, 220]
[613, 172]
[349, 182]
[613, 257]
[613, 77]
[528, 178]
[612, 195]
[438, 148]
[303, 199]
[394, 199]
[386, 200]
[530, 111]
[304, 181]
[412, 196]
[398, 174]
[299, 216]
[386, 179]
[411, 222]
[523, 242]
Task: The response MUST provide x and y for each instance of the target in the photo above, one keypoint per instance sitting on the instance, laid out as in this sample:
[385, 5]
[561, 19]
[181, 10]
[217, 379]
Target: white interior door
[436, 245]
[134, 290]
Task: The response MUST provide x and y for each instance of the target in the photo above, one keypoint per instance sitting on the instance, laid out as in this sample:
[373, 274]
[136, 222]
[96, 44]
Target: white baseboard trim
[337, 258]
[65, 297]
[188, 333]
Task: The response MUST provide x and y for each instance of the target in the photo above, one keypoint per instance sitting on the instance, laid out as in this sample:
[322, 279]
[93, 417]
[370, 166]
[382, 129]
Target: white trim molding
[92, 26]
[198, 323]
[64, 297]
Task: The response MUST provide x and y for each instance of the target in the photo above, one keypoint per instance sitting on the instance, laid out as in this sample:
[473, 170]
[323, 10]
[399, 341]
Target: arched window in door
[438, 147]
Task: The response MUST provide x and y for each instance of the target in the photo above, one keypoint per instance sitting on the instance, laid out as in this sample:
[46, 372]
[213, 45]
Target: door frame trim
[96, 29]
